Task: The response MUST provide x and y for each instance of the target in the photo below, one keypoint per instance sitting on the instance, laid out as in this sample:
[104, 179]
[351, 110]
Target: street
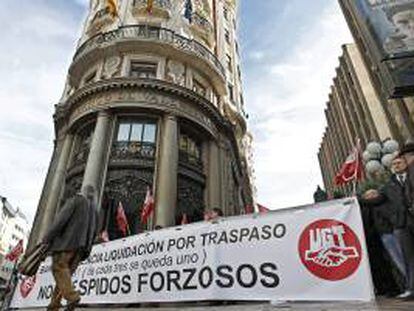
[381, 304]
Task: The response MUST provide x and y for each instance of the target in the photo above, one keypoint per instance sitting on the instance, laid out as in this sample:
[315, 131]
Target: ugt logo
[330, 250]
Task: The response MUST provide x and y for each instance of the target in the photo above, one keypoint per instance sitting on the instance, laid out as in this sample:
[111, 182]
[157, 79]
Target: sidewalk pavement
[379, 305]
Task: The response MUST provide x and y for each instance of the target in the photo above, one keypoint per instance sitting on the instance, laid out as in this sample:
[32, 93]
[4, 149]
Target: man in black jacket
[70, 240]
[395, 209]
[407, 235]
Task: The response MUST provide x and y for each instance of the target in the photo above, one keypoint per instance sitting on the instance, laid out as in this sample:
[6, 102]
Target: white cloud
[34, 55]
[286, 102]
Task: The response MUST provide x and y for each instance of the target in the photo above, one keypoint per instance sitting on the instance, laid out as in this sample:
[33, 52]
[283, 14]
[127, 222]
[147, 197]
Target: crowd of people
[388, 215]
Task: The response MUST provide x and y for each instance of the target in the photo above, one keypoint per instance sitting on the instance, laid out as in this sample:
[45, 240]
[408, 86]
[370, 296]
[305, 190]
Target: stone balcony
[160, 9]
[149, 39]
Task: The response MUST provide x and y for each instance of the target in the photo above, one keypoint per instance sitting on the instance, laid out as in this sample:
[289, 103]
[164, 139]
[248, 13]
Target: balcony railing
[150, 33]
[122, 151]
[160, 8]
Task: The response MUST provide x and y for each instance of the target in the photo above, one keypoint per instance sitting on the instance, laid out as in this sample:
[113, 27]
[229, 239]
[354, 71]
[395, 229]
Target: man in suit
[407, 235]
[394, 222]
[401, 242]
[70, 240]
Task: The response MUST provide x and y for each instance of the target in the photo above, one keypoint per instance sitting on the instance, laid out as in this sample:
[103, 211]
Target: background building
[387, 48]
[354, 110]
[14, 227]
[153, 99]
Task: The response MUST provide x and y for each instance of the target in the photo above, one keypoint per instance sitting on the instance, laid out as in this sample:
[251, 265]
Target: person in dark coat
[376, 225]
[407, 235]
[70, 240]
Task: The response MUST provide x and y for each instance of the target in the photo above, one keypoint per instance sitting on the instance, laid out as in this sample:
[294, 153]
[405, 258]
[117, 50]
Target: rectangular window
[191, 149]
[226, 13]
[229, 62]
[143, 70]
[123, 132]
[150, 131]
[136, 132]
[141, 132]
[231, 92]
[227, 35]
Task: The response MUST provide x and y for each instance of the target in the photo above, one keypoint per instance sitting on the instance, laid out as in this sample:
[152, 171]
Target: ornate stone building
[152, 99]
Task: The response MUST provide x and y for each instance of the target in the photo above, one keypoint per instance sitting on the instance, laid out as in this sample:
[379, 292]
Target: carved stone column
[214, 176]
[54, 192]
[166, 187]
[94, 170]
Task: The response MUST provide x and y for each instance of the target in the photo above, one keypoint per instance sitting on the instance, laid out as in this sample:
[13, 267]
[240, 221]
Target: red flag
[352, 169]
[148, 207]
[27, 285]
[263, 209]
[121, 219]
[15, 252]
[184, 220]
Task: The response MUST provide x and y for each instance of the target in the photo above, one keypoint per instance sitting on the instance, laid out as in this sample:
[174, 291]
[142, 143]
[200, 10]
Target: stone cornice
[171, 92]
[153, 94]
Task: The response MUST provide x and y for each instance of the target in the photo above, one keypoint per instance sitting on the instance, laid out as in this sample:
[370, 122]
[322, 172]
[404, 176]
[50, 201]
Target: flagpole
[357, 151]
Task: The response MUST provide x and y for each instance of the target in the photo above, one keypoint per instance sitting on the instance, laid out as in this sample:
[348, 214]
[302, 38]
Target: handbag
[31, 261]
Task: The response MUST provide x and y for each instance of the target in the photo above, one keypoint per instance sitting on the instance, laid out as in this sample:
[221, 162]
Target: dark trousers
[406, 237]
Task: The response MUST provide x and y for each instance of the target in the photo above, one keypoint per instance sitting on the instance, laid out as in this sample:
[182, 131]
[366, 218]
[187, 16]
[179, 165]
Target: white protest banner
[313, 253]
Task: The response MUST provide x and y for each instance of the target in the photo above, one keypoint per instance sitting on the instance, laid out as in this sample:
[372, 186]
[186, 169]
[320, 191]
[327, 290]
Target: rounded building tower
[153, 100]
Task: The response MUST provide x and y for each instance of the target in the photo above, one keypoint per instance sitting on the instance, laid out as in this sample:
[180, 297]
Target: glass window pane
[149, 133]
[123, 132]
[136, 132]
[183, 143]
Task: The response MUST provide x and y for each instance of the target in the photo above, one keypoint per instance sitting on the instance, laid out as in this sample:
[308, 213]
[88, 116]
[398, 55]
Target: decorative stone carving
[133, 151]
[111, 67]
[100, 16]
[83, 145]
[176, 73]
[145, 99]
[153, 33]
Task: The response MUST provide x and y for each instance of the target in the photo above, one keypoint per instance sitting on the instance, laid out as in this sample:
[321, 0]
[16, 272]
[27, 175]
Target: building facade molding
[159, 95]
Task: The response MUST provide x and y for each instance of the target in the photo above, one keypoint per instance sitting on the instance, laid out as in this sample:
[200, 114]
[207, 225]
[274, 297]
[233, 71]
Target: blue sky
[290, 50]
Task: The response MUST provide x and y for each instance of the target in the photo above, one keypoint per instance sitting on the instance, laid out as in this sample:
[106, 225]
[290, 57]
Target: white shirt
[401, 178]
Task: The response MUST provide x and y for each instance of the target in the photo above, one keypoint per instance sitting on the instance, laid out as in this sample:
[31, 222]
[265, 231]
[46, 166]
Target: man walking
[70, 241]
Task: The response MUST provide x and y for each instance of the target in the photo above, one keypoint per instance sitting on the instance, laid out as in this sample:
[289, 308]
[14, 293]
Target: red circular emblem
[330, 249]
